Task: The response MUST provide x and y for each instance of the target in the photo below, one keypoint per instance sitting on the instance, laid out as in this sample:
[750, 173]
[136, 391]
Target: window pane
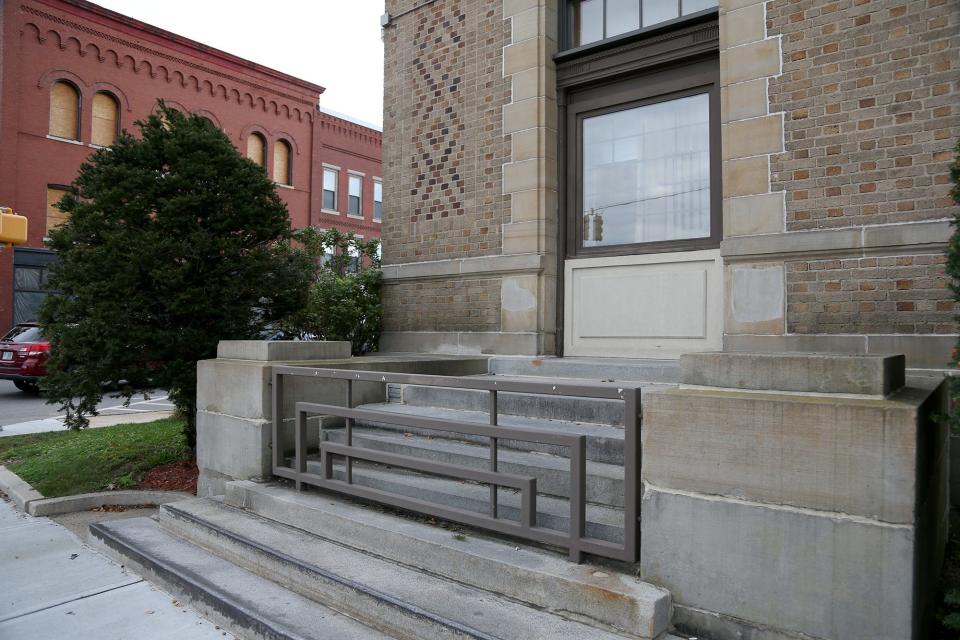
[692, 6]
[329, 200]
[378, 211]
[587, 21]
[26, 278]
[646, 173]
[656, 11]
[622, 16]
[25, 306]
[377, 200]
[330, 179]
[355, 186]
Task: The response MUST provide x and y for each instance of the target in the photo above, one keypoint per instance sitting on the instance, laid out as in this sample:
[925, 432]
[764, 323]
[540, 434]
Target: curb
[32, 501]
[87, 501]
[22, 494]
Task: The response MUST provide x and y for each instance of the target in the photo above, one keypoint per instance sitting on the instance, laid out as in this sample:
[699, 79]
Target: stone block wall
[824, 514]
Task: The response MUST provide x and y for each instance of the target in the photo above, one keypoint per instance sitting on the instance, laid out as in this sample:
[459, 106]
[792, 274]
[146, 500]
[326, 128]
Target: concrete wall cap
[873, 374]
[274, 350]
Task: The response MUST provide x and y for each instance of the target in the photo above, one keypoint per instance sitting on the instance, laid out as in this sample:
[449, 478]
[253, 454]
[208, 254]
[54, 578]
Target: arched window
[282, 154]
[106, 119]
[257, 149]
[64, 110]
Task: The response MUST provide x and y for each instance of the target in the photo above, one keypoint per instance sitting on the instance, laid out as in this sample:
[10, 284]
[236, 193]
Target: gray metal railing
[575, 539]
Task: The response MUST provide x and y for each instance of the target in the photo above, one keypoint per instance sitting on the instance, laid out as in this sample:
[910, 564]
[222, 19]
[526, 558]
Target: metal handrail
[575, 539]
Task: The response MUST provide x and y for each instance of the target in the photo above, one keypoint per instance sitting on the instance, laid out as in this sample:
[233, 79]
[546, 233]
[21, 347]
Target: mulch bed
[176, 476]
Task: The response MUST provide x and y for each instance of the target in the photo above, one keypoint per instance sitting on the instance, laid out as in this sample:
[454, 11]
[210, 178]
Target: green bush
[173, 242]
[343, 302]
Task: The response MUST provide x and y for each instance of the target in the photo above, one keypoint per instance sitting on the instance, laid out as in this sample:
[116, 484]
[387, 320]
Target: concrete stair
[276, 563]
[604, 481]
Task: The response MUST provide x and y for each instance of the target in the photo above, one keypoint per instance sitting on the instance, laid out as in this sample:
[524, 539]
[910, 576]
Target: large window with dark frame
[642, 149]
[590, 21]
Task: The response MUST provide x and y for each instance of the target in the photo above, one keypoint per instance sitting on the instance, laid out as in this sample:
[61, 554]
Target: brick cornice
[155, 53]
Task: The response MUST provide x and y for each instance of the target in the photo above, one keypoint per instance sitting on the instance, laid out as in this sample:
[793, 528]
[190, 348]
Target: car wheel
[27, 387]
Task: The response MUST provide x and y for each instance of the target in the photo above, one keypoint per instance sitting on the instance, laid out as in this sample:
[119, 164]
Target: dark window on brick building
[377, 201]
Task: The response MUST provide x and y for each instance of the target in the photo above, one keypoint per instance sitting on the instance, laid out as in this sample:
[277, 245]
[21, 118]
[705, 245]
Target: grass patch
[64, 463]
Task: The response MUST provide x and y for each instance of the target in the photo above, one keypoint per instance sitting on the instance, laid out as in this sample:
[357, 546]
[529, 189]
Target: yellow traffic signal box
[13, 228]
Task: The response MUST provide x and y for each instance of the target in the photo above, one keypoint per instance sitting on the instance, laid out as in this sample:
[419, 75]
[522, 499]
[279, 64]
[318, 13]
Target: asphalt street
[17, 406]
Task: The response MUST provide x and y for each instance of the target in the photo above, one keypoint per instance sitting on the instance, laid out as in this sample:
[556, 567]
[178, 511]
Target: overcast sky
[332, 43]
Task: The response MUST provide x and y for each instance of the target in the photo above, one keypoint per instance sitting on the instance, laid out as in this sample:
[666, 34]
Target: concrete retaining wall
[797, 513]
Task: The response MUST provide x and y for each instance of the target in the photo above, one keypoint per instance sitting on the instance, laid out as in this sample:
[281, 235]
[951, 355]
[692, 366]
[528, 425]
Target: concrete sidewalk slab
[128, 612]
[53, 586]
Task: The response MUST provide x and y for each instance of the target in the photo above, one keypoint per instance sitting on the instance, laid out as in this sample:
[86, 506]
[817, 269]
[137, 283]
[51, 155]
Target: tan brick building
[642, 179]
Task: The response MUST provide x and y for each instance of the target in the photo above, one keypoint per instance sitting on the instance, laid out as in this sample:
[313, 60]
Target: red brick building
[73, 74]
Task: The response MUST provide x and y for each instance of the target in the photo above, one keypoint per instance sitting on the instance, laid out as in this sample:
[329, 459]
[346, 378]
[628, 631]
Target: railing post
[493, 453]
[348, 401]
[578, 497]
[632, 491]
[300, 447]
[277, 409]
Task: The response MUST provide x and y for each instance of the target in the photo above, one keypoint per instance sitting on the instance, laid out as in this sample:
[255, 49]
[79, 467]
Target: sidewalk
[53, 587]
[140, 411]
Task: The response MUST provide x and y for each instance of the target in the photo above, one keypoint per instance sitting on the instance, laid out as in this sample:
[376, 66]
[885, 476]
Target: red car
[23, 356]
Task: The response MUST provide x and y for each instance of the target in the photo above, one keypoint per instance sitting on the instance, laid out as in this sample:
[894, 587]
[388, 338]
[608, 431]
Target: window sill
[378, 221]
[98, 146]
[355, 217]
[67, 140]
[330, 211]
[283, 186]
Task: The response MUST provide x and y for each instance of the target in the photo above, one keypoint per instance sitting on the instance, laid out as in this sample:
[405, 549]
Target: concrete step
[249, 605]
[395, 597]
[604, 481]
[615, 369]
[604, 442]
[605, 523]
[533, 576]
[574, 409]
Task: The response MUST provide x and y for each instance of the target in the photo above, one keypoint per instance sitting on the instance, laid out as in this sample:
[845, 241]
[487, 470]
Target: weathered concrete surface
[836, 454]
[804, 372]
[799, 571]
[86, 501]
[17, 488]
[280, 350]
[820, 514]
[526, 574]
[52, 586]
[230, 448]
[420, 605]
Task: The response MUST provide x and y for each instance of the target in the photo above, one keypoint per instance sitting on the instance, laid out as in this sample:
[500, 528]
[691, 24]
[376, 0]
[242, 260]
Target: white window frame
[377, 181]
[336, 194]
[360, 177]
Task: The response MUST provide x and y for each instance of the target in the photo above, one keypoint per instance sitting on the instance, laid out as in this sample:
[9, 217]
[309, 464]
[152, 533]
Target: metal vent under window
[394, 393]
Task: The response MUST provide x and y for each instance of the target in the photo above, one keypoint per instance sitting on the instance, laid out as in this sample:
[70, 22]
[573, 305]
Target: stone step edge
[213, 603]
[652, 601]
[370, 594]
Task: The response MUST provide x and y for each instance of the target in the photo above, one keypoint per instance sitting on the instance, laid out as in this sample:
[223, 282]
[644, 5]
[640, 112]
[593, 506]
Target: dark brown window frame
[686, 40]
[676, 81]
